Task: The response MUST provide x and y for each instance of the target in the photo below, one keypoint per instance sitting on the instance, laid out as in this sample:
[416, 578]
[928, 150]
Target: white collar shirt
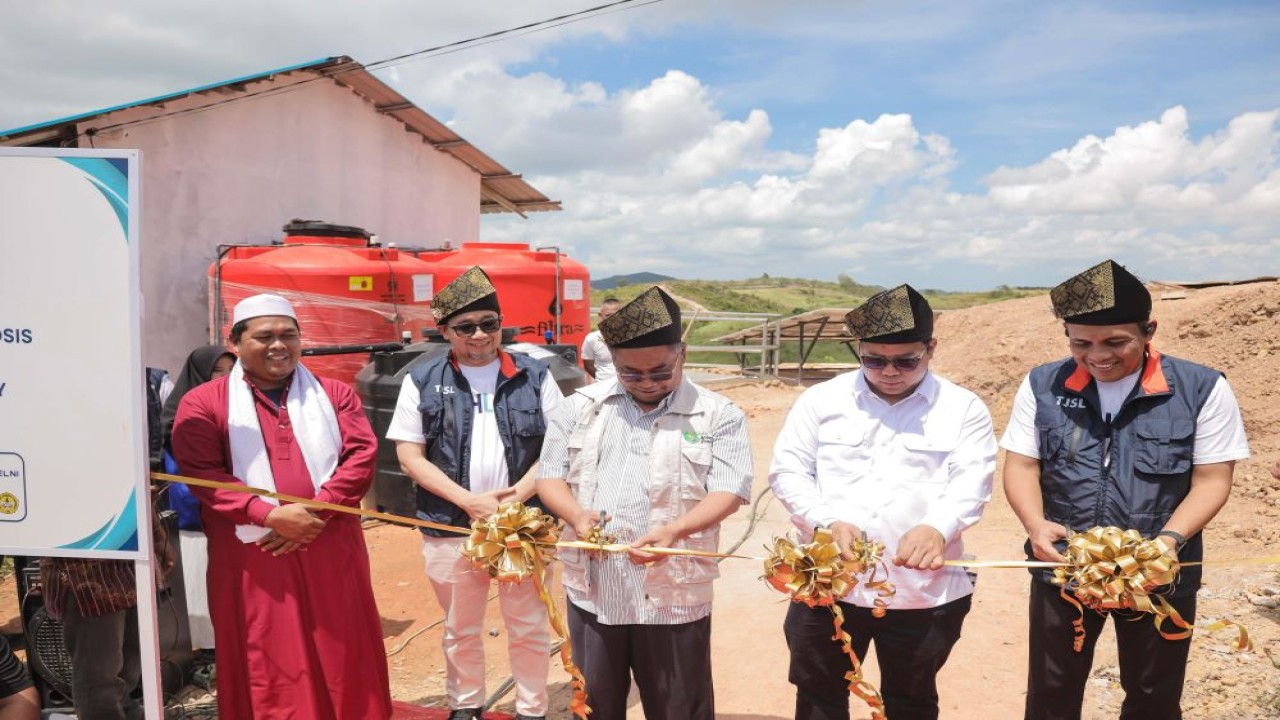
[845, 454]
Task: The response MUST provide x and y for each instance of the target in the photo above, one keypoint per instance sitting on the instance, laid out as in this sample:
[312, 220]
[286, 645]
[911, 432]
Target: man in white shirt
[1115, 435]
[596, 358]
[898, 455]
[468, 429]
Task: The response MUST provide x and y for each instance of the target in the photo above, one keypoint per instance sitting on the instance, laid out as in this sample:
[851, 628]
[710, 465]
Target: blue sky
[947, 144]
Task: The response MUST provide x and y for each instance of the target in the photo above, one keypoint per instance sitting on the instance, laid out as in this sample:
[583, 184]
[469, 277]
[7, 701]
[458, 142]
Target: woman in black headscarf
[203, 364]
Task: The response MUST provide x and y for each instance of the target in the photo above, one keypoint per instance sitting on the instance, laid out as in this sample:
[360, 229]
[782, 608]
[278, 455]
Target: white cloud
[806, 139]
[700, 194]
[1154, 165]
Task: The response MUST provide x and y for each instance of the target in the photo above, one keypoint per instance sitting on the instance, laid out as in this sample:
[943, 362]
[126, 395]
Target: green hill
[786, 297]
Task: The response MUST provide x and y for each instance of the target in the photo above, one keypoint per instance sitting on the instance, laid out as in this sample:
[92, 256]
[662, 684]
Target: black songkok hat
[1105, 294]
[652, 319]
[900, 315]
[468, 292]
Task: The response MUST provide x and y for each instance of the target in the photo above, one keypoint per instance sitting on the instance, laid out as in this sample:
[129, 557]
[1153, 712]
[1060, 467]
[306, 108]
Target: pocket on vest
[1164, 446]
[528, 423]
[696, 461]
[1052, 439]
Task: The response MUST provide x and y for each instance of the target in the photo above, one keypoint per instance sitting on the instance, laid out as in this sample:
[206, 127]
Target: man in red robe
[296, 628]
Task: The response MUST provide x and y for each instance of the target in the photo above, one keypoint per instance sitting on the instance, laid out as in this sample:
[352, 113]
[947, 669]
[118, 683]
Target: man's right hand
[295, 523]
[844, 534]
[584, 521]
[1043, 535]
[482, 505]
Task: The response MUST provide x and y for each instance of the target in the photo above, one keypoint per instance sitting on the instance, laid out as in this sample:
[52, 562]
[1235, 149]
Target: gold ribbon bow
[514, 545]
[815, 574]
[510, 543]
[1112, 569]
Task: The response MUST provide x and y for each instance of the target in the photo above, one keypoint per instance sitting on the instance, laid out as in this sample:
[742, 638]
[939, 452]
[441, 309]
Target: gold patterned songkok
[652, 319]
[470, 291]
[1105, 294]
[896, 316]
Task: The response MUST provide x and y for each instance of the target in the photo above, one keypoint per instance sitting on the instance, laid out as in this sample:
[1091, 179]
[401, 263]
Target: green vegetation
[786, 297]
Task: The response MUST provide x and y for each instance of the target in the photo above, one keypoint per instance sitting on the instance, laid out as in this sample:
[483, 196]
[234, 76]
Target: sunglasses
[661, 376]
[904, 364]
[467, 329]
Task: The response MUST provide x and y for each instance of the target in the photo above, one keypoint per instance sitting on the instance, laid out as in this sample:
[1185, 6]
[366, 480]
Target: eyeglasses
[903, 364]
[660, 376]
[467, 329]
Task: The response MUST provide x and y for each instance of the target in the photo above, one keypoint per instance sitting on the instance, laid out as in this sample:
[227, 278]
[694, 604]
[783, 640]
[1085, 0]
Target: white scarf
[315, 426]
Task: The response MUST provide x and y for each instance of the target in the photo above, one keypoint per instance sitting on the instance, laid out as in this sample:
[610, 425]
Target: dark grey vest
[447, 415]
[1131, 472]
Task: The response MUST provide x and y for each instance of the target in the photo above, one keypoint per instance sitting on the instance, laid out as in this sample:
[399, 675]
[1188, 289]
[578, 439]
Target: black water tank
[379, 382]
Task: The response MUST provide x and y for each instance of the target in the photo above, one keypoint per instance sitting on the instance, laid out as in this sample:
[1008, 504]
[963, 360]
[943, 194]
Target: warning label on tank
[360, 283]
[572, 290]
[423, 287]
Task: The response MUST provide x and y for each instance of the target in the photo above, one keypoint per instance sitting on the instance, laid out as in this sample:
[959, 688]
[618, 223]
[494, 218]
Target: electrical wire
[436, 51]
[548, 23]
[405, 643]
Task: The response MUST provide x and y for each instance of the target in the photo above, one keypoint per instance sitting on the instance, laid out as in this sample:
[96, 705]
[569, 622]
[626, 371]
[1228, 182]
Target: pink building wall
[236, 173]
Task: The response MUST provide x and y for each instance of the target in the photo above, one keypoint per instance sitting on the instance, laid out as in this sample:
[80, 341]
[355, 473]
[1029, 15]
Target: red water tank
[345, 290]
[527, 282]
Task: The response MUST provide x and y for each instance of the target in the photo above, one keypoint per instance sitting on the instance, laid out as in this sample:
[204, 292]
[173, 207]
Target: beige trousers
[462, 593]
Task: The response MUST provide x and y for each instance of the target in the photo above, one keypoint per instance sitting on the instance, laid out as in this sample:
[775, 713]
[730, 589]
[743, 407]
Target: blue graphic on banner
[119, 533]
[111, 177]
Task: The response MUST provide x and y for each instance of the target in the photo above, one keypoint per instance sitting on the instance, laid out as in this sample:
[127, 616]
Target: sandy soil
[987, 349]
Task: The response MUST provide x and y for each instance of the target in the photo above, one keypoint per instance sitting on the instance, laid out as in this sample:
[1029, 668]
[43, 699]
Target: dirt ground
[987, 349]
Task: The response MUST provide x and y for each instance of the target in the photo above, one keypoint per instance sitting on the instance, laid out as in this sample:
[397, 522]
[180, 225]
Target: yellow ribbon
[858, 685]
[510, 543]
[815, 574]
[607, 543]
[578, 703]
[513, 545]
[1112, 569]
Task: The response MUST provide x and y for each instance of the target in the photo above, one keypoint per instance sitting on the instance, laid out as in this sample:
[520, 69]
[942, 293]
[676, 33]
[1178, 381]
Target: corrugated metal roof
[500, 189]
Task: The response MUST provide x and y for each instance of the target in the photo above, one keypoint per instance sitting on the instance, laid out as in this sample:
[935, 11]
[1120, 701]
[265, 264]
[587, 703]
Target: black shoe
[465, 714]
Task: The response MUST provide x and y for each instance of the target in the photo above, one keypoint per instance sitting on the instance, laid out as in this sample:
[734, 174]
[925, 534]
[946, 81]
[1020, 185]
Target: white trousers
[194, 547]
[462, 592]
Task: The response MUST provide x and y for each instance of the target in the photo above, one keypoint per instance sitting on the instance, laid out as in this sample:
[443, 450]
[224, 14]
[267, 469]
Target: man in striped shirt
[665, 461]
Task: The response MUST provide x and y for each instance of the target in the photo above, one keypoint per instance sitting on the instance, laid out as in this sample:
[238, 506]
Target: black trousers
[105, 663]
[1151, 668]
[671, 664]
[911, 646]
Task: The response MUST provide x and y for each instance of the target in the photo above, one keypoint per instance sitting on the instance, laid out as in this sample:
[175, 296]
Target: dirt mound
[1235, 329]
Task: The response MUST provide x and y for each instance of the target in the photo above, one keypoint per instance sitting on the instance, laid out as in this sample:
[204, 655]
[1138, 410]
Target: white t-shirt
[595, 349]
[488, 466]
[1112, 394]
[1219, 428]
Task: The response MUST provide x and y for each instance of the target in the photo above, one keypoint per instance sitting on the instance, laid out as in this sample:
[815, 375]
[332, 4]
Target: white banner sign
[73, 473]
